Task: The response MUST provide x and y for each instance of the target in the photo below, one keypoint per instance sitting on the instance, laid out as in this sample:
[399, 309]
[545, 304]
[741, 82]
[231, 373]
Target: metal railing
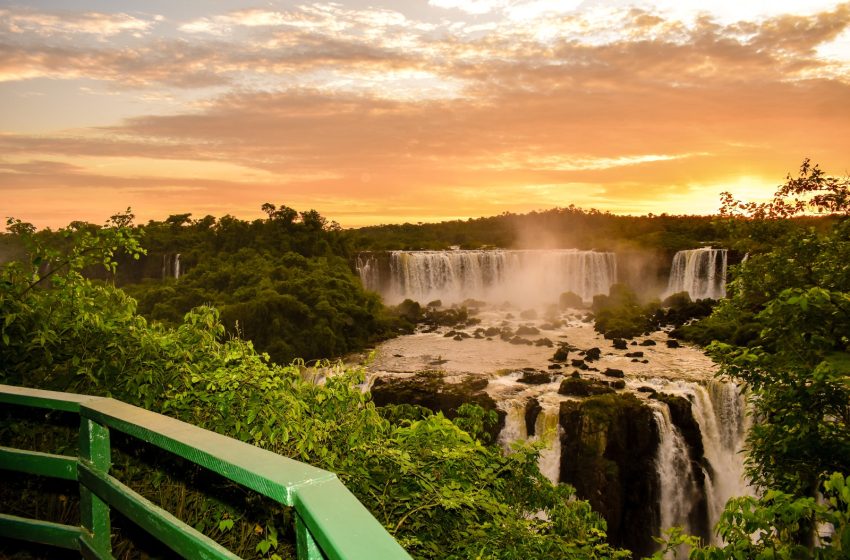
[330, 523]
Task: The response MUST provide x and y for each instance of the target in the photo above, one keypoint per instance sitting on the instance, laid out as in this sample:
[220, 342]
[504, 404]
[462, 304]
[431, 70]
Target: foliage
[620, 315]
[284, 282]
[437, 488]
[288, 305]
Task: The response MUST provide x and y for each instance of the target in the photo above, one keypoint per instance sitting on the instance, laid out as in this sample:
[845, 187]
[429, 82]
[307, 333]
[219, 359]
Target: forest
[238, 338]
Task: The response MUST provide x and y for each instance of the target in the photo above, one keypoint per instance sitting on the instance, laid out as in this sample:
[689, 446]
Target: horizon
[383, 113]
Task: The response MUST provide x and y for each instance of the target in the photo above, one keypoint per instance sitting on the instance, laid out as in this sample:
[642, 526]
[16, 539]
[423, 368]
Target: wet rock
[578, 387]
[619, 344]
[578, 364]
[645, 389]
[592, 354]
[528, 314]
[612, 372]
[617, 384]
[544, 342]
[644, 361]
[648, 342]
[635, 360]
[554, 366]
[608, 445]
[458, 337]
[535, 377]
[673, 344]
[492, 331]
[520, 340]
[561, 354]
[532, 411]
[431, 390]
[527, 330]
[435, 303]
[634, 354]
[575, 374]
[633, 343]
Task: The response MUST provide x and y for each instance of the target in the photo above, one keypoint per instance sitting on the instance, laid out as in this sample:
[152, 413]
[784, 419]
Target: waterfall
[370, 275]
[679, 490]
[523, 277]
[700, 272]
[171, 266]
[514, 428]
[548, 429]
[719, 409]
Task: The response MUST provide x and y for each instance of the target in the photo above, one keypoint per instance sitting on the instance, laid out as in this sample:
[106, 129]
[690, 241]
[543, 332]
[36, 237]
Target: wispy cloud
[105, 25]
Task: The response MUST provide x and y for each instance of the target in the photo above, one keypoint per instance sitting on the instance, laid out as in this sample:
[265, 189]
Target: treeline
[569, 227]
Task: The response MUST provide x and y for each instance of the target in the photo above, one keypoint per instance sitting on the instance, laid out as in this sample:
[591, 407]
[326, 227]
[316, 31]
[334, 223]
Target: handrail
[330, 523]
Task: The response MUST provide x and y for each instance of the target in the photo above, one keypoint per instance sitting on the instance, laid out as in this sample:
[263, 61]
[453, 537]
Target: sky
[413, 111]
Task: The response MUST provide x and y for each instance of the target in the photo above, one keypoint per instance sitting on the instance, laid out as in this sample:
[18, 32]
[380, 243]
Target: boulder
[619, 344]
[612, 372]
[578, 387]
[648, 342]
[532, 411]
[535, 377]
[673, 344]
[634, 354]
[592, 354]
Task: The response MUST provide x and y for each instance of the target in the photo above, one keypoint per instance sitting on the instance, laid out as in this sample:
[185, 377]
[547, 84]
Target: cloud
[607, 107]
[22, 21]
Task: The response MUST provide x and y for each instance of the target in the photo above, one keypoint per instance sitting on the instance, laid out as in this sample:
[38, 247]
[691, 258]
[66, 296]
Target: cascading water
[548, 429]
[719, 409]
[171, 266]
[700, 272]
[679, 491]
[522, 277]
[514, 428]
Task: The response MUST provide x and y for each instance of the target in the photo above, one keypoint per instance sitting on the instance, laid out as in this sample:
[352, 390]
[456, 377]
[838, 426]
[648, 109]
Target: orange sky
[413, 111]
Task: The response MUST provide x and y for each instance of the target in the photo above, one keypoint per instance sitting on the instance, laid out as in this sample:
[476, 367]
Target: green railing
[330, 523]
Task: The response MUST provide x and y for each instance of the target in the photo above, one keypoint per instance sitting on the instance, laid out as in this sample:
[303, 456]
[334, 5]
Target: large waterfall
[523, 277]
[700, 272]
[719, 410]
[680, 493]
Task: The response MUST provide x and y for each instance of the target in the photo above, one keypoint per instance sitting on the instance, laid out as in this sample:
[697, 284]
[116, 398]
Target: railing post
[306, 546]
[94, 512]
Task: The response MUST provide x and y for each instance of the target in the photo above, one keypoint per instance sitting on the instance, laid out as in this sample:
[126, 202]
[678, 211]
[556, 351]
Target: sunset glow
[413, 111]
